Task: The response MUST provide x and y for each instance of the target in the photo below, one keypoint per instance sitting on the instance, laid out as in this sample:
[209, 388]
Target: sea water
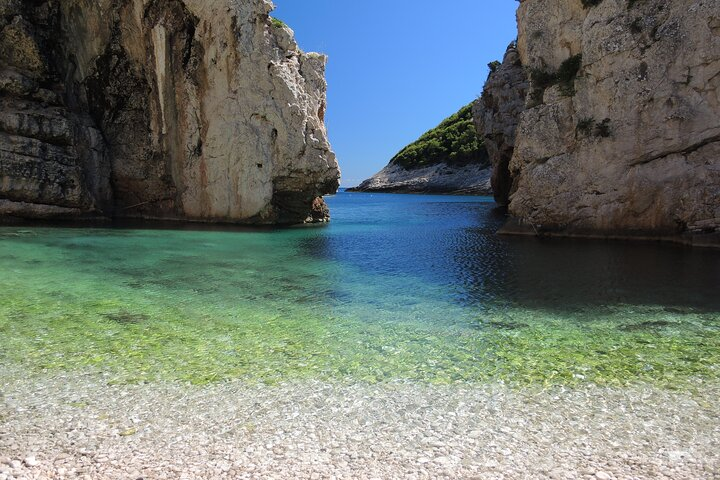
[396, 288]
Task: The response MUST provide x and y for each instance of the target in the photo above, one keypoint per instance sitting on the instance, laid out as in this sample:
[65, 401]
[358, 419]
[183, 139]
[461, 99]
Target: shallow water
[395, 288]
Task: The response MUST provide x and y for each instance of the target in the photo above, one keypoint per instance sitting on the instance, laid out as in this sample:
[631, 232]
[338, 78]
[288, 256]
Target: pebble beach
[78, 426]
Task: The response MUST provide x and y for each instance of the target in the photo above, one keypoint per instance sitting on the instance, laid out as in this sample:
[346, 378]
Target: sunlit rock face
[176, 109]
[621, 130]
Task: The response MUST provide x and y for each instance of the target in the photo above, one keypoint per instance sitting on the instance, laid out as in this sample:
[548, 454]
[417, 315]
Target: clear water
[397, 287]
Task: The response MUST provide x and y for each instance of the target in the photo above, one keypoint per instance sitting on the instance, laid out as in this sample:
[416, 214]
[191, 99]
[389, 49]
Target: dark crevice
[685, 151]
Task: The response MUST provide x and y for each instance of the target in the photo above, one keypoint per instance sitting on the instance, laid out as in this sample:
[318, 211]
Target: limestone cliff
[170, 109]
[449, 158]
[620, 134]
[496, 114]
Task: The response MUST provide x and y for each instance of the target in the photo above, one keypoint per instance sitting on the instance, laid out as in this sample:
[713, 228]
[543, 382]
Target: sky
[397, 68]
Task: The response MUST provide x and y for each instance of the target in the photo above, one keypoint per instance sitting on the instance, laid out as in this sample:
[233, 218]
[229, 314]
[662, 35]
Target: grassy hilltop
[454, 142]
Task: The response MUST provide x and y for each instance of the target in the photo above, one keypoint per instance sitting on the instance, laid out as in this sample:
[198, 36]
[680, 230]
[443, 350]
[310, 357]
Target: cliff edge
[620, 130]
[176, 109]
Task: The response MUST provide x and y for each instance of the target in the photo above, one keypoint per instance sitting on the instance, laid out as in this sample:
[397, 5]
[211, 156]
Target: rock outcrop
[163, 109]
[621, 131]
[497, 113]
[448, 159]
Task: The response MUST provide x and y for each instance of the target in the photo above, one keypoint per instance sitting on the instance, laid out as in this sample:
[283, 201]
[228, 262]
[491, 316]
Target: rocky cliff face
[175, 109]
[497, 113]
[52, 157]
[621, 130]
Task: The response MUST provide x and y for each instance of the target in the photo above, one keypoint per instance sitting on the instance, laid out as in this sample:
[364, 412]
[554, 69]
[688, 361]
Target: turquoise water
[396, 288]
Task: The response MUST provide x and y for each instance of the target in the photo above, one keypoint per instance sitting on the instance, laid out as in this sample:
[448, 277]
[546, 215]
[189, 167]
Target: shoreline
[513, 227]
[400, 191]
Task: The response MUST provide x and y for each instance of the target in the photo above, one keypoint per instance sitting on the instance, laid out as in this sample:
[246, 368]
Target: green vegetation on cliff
[277, 22]
[454, 142]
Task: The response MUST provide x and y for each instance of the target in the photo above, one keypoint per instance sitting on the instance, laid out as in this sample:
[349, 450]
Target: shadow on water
[576, 272]
[452, 243]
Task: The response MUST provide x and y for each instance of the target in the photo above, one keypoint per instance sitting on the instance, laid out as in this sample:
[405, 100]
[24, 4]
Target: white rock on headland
[440, 178]
[448, 159]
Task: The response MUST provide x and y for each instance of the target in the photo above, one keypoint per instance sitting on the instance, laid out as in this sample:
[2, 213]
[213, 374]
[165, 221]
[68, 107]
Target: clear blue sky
[397, 68]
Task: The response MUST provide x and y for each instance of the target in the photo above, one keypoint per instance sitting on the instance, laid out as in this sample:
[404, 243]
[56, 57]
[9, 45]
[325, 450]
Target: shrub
[454, 141]
[277, 22]
[567, 73]
[585, 126]
[602, 129]
[542, 79]
[588, 126]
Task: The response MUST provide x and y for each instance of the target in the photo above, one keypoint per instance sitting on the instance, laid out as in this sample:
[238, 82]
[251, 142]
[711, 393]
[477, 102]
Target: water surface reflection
[451, 243]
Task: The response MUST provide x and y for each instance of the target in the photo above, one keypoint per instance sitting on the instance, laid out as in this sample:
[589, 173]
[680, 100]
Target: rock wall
[52, 158]
[621, 131]
[169, 109]
[497, 113]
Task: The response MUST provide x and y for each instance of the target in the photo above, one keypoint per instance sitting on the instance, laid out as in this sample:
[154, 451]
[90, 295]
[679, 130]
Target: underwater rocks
[180, 110]
[620, 134]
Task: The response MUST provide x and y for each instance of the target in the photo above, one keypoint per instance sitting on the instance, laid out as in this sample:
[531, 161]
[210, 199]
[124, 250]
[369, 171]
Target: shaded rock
[496, 116]
[320, 211]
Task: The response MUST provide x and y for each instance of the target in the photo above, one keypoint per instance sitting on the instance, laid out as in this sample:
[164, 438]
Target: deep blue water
[451, 242]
